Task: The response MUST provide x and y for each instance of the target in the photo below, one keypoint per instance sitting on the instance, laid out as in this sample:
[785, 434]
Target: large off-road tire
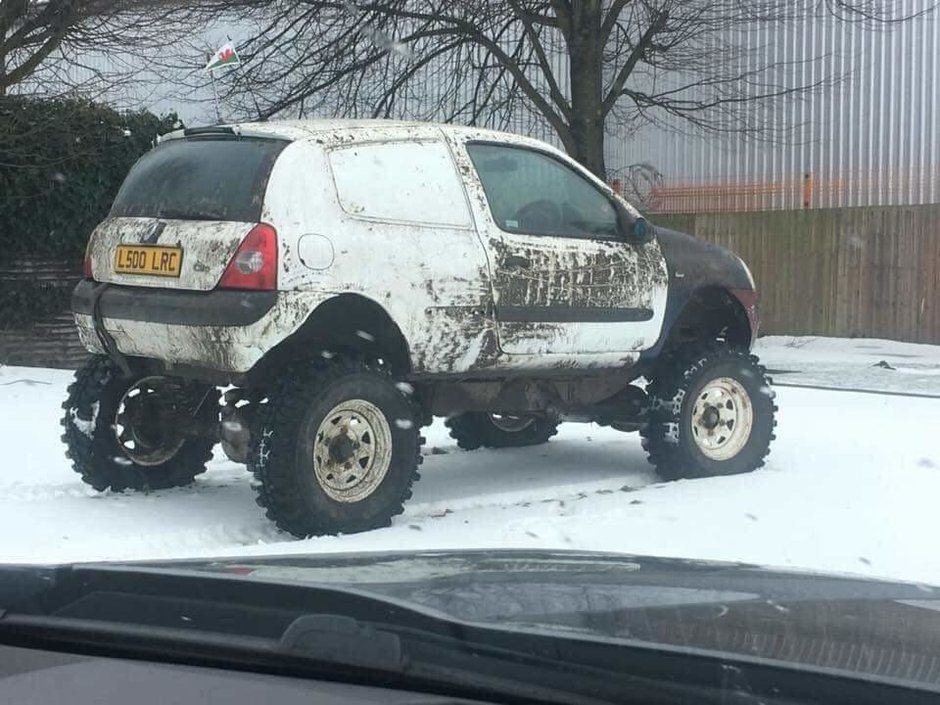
[116, 439]
[336, 451]
[474, 430]
[712, 413]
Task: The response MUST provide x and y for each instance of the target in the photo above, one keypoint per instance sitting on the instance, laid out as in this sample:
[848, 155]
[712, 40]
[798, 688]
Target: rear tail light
[254, 264]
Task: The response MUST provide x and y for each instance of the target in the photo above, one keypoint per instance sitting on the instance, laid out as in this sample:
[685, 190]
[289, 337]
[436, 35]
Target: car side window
[532, 192]
[400, 182]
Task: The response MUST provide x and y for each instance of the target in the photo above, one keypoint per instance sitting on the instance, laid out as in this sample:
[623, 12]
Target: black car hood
[698, 263]
[877, 628]
[874, 627]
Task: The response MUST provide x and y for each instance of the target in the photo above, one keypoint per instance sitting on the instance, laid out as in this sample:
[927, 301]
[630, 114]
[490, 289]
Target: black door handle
[516, 262]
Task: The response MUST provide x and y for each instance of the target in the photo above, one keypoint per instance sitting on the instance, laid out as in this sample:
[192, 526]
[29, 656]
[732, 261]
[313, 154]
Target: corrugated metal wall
[871, 139]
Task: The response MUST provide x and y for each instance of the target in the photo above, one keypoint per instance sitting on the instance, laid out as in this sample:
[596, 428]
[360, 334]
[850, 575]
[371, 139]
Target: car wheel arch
[707, 312]
[345, 324]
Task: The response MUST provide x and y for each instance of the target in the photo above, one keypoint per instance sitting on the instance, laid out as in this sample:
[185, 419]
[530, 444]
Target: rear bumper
[187, 308]
[223, 331]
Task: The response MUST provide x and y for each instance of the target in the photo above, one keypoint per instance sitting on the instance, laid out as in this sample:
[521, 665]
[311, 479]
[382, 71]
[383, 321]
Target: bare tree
[585, 67]
[54, 38]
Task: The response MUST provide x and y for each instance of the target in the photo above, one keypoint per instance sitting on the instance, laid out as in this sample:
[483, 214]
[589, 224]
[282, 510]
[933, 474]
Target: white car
[352, 279]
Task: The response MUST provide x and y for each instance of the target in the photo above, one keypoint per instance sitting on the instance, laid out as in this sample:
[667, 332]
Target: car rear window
[200, 179]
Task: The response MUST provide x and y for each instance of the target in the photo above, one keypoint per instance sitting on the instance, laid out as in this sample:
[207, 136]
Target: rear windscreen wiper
[186, 215]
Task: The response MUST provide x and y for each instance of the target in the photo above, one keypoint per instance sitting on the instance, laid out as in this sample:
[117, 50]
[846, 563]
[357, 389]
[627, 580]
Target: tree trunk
[586, 57]
[4, 28]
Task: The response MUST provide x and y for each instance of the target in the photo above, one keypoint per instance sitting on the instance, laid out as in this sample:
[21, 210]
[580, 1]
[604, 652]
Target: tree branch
[554, 91]
[657, 24]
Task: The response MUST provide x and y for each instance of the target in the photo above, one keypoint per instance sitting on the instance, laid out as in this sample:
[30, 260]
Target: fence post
[807, 189]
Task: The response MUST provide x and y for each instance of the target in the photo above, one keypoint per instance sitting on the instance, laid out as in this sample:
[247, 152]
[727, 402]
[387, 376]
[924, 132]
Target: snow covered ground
[851, 486]
[860, 363]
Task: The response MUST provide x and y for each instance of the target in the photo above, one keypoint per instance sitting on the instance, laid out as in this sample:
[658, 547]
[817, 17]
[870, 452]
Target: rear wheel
[336, 450]
[712, 412]
[474, 430]
[137, 433]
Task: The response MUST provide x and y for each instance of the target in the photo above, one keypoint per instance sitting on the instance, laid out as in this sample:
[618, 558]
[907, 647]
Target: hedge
[24, 303]
[61, 164]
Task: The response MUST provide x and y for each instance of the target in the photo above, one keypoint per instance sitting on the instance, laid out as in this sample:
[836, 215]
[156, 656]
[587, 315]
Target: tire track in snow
[207, 540]
[217, 539]
[851, 390]
[22, 493]
[522, 499]
[19, 492]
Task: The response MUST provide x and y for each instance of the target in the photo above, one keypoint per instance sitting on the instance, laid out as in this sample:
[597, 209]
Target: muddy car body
[484, 277]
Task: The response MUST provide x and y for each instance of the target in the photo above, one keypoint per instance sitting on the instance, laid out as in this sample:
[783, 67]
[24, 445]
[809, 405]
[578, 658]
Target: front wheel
[474, 430]
[712, 413]
[336, 450]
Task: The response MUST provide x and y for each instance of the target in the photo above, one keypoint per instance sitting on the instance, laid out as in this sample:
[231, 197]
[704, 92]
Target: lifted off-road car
[347, 281]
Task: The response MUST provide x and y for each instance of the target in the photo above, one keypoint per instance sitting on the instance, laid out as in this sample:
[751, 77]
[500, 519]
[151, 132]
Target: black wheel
[711, 413]
[337, 450]
[483, 430]
[136, 433]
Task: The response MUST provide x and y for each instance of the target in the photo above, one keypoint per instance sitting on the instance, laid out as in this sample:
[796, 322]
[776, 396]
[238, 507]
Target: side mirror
[642, 231]
[633, 228]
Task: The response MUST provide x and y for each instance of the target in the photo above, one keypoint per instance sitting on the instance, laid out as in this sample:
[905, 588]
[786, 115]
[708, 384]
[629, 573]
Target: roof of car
[305, 129]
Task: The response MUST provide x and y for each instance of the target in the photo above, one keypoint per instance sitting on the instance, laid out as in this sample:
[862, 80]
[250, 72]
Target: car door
[564, 279]
[383, 214]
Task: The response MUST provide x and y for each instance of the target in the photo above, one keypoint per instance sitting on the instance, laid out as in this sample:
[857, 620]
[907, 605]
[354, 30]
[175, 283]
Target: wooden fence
[848, 272]
[851, 272]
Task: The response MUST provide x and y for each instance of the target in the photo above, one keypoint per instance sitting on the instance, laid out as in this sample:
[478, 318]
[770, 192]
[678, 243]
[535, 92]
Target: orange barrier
[810, 190]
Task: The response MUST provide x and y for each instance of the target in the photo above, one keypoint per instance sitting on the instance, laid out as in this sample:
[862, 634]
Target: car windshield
[639, 301]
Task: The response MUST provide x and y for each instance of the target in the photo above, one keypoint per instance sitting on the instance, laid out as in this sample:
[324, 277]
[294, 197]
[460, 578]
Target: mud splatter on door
[561, 295]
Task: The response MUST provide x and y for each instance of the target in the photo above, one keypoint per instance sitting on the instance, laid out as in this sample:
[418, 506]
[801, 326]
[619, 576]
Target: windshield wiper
[171, 214]
[323, 646]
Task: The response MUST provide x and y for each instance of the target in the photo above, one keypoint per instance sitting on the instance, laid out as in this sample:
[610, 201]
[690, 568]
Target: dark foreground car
[468, 626]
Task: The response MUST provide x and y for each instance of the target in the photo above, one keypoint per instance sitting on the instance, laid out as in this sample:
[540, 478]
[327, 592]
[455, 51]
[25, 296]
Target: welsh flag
[225, 56]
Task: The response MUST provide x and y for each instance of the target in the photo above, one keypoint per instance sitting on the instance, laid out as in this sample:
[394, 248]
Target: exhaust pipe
[235, 428]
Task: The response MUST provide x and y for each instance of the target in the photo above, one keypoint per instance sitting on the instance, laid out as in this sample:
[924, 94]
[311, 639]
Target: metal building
[869, 139]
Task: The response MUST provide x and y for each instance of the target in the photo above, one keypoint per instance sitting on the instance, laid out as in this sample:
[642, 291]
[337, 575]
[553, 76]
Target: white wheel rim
[352, 451]
[722, 418]
[511, 424]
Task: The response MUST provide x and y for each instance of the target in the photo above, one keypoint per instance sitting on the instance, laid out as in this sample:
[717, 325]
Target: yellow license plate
[148, 259]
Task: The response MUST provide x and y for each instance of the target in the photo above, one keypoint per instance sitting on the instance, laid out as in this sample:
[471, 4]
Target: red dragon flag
[225, 56]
